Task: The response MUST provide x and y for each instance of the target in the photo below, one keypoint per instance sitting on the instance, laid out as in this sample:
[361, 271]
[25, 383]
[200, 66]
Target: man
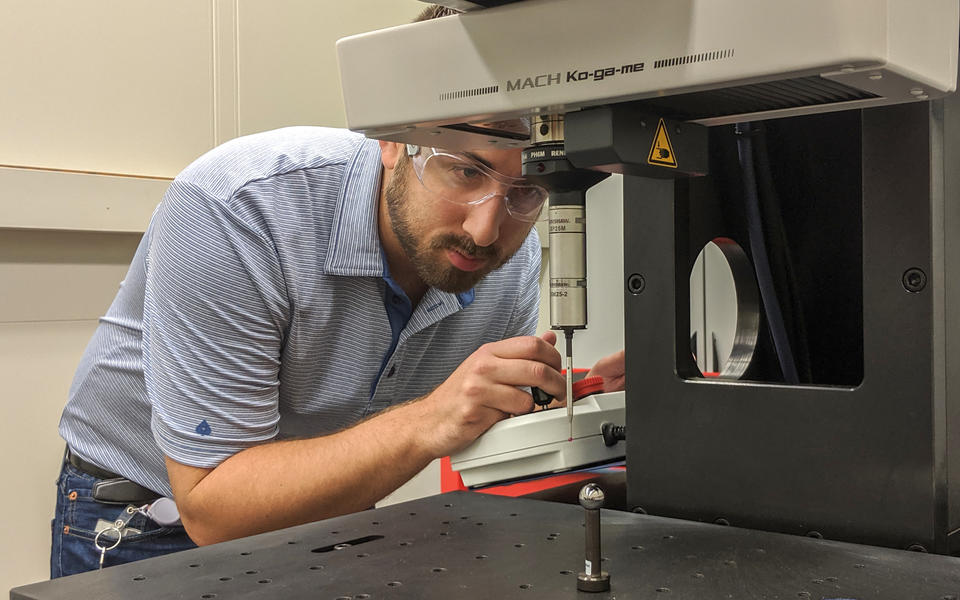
[310, 319]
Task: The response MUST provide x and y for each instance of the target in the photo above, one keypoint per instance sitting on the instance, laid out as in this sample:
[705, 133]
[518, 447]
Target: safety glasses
[462, 180]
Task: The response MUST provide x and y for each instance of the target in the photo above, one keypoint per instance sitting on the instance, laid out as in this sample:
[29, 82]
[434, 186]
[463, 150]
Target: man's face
[453, 246]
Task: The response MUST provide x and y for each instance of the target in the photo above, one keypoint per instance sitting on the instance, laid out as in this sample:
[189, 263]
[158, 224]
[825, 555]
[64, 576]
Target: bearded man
[310, 319]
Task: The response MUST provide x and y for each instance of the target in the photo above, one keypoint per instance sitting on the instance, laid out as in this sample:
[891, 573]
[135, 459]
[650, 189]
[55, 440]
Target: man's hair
[435, 11]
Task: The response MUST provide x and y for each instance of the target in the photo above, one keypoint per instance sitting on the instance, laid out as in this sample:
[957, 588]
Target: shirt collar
[354, 248]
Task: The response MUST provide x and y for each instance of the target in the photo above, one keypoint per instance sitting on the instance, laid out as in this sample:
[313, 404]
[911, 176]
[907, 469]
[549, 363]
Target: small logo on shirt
[435, 306]
[203, 428]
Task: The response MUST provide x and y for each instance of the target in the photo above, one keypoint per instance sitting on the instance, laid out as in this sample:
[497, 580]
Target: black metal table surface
[469, 545]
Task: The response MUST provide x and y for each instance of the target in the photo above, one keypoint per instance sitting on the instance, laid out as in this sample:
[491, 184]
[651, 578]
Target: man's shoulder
[259, 156]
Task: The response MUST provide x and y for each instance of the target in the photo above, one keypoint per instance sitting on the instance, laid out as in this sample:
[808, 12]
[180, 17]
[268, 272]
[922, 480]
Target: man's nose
[483, 220]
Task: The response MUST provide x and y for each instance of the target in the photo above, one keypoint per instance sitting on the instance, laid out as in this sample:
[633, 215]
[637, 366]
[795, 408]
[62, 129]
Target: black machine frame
[868, 463]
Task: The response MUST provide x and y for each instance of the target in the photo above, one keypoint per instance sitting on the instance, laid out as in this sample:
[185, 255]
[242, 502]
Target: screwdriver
[542, 399]
[568, 332]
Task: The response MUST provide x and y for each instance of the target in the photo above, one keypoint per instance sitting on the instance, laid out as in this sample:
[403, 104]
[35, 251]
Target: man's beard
[428, 257]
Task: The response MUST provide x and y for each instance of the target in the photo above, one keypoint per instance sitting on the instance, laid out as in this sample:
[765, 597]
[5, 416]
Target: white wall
[139, 87]
[102, 104]
[54, 285]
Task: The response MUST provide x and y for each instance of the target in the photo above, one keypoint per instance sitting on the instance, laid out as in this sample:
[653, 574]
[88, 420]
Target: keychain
[163, 512]
[119, 524]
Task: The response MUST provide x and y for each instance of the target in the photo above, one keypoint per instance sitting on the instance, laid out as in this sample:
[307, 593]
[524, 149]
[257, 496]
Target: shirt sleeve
[215, 315]
[523, 321]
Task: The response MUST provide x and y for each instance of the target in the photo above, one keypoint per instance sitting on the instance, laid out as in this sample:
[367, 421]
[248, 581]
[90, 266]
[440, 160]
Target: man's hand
[613, 370]
[484, 389]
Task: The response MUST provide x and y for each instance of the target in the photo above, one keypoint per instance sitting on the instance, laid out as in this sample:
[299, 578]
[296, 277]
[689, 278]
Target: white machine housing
[538, 442]
[450, 82]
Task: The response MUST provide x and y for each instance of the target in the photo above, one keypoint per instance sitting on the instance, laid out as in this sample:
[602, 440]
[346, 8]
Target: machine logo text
[542, 80]
[572, 76]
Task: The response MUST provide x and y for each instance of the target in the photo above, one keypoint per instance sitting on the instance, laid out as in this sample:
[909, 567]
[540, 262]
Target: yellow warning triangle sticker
[661, 153]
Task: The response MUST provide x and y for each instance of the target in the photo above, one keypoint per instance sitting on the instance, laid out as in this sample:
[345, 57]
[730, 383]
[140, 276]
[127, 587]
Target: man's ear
[390, 154]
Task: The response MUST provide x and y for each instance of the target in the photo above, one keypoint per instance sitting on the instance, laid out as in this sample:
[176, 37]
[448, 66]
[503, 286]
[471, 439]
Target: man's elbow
[202, 531]
[196, 516]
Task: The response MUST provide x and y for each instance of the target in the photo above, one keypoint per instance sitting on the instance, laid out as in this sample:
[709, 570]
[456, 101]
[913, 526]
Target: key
[103, 549]
[119, 524]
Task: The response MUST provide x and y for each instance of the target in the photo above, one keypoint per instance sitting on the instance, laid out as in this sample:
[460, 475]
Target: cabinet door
[287, 60]
[115, 86]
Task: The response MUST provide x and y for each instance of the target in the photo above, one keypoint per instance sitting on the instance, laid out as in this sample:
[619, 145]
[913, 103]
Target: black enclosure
[862, 228]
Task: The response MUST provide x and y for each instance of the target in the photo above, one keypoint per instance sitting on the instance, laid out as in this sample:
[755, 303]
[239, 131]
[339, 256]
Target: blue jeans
[75, 527]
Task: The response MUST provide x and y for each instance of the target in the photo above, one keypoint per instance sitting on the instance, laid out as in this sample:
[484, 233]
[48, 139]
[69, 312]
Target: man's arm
[281, 484]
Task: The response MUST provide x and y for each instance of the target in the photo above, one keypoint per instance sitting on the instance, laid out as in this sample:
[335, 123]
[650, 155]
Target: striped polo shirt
[254, 310]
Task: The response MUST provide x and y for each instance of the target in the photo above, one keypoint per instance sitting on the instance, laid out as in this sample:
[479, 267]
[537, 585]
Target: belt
[112, 488]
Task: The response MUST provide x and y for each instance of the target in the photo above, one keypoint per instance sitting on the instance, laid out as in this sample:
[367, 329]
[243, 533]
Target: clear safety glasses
[462, 180]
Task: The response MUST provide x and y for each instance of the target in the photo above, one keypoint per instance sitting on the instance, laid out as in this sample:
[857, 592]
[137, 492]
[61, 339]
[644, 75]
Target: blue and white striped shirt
[254, 309]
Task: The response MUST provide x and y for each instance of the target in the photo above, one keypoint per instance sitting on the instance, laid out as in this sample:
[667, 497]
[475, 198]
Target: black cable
[761, 261]
[781, 262]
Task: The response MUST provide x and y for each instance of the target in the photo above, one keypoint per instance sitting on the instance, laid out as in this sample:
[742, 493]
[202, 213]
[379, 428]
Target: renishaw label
[567, 283]
[567, 220]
